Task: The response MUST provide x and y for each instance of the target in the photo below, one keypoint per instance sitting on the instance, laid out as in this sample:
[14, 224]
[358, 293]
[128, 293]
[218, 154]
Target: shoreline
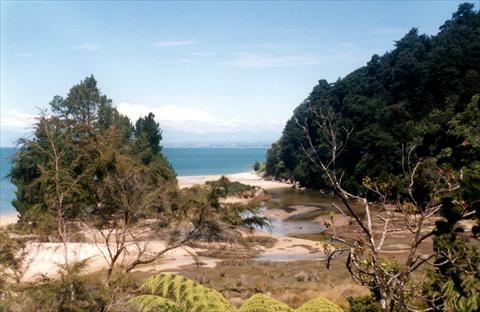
[44, 257]
[250, 178]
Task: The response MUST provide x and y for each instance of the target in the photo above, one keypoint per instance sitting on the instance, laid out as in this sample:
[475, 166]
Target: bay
[185, 162]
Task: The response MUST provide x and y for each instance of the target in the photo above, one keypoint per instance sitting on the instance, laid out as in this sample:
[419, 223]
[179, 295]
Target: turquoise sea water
[185, 161]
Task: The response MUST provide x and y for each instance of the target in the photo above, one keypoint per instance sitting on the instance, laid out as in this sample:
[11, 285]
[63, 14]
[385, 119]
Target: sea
[185, 161]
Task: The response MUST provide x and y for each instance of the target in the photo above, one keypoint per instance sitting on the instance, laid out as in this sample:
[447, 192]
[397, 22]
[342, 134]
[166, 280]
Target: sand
[8, 219]
[45, 258]
[250, 178]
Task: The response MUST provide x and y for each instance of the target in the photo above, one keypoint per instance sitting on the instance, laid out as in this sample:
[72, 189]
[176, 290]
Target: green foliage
[389, 104]
[152, 303]
[81, 155]
[149, 129]
[8, 251]
[10, 259]
[72, 291]
[263, 303]
[185, 293]
[423, 93]
[455, 283]
[256, 166]
[364, 304]
[319, 304]
[168, 292]
[225, 187]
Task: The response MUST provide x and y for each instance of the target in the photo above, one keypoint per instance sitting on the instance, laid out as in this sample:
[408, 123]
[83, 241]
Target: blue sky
[212, 72]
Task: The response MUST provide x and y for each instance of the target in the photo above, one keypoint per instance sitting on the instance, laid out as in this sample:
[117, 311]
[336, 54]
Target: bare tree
[366, 262]
[124, 197]
[60, 183]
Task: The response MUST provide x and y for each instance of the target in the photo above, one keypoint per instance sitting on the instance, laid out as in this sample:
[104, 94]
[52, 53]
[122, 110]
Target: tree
[149, 130]
[82, 102]
[387, 102]
[77, 123]
[426, 184]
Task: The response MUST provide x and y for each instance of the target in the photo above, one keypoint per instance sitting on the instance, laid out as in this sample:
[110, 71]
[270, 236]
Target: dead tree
[365, 260]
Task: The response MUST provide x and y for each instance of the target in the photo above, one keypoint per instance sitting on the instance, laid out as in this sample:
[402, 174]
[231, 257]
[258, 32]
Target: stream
[292, 213]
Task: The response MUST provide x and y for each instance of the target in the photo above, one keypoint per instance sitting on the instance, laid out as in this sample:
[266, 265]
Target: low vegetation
[177, 293]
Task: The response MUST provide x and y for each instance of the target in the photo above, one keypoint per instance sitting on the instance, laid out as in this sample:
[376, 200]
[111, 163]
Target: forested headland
[404, 132]
[425, 92]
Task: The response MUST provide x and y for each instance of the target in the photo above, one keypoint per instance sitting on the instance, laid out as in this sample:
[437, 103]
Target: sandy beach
[8, 219]
[43, 258]
[250, 178]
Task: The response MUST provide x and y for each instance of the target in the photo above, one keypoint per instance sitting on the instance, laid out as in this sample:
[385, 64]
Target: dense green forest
[419, 103]
[420, 93]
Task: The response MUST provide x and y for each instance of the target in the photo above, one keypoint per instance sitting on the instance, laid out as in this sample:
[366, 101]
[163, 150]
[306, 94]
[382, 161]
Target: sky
[212, 72]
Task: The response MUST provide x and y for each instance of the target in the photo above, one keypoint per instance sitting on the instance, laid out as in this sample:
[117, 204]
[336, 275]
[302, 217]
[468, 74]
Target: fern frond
[188, 296]
[319, 305]
[263, 303]
[152, 303]
[186, 293]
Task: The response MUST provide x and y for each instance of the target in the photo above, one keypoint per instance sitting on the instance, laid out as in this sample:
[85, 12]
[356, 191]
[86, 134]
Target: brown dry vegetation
[293, 282]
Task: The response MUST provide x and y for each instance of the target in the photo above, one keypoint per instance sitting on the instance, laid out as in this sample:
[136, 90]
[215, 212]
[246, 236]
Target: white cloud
[197, 121]
[251, 60]
[86, 47]
[170, 117]
[13, 119]
[176, 43]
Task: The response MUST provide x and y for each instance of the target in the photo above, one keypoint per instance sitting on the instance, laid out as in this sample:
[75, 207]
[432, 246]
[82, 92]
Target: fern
[262, 303]
[186, 293]
[168, 292]
[319, 305]
[152, 303]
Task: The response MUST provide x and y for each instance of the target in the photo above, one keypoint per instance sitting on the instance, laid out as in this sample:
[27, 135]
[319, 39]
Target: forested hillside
[425, 92]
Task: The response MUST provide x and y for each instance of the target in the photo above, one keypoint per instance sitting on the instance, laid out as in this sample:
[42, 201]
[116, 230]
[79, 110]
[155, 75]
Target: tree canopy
[77, 149]
[420, 101]
[407, 96]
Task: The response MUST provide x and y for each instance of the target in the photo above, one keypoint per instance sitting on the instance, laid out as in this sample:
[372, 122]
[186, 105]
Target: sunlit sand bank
[44, 258]
[8, 219]
[249, 178]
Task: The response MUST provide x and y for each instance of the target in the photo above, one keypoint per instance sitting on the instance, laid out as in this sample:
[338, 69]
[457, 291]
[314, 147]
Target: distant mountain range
[177, 138]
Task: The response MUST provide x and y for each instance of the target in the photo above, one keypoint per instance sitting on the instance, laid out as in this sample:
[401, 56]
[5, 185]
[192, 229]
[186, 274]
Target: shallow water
[300, 223]
[295, 228]
[290, 257]
[289, 198]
